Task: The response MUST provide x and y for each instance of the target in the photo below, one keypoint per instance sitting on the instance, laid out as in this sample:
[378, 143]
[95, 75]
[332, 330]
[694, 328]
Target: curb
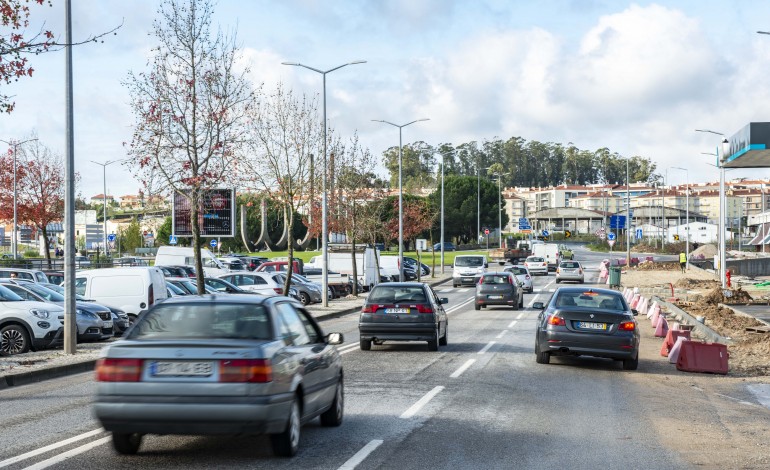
[701, 329]
[34, 376]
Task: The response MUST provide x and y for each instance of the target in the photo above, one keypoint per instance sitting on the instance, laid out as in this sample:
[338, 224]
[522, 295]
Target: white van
[343, 263]
[132, 289]
[468, 269]
[549, 252]
[184, 256]
[389, 267]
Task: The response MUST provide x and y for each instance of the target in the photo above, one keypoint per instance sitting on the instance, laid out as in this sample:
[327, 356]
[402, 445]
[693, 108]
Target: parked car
[188, 285]
[93, 321]
[174, 291]
[33, 275]
[259, 282]
[55, 277]
[569, 271]
[130, 261]
[172, 271]
[26, 325]
[246, 364]
[412, 263]
[253, 262]
[220, 285]
[232, 263]
[82, 262]
[499, 288]
[403, 311]
[587, 322]
[536, 265]
[448, 246]
[120, 320]
[309, 292]
[523, 276]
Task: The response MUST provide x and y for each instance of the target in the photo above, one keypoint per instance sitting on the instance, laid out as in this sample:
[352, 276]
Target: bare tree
[190, 109]
[284, 135]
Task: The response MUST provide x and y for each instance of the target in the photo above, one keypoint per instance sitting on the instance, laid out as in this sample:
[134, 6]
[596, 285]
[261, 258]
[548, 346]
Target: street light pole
[478, 200]
[687, 214]
[15, 237]
[442, 213]
[720, 163]
[628, 222]
[400, 198]
[104, 200]
[324, 221]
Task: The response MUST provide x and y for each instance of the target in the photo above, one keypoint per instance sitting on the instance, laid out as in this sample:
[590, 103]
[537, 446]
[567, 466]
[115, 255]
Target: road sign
[213, 243]
[617, 221]
[111, 237]
[611, 236]
[638, 234]
[422, 244]
[611, 242]
[602, 236]
[486, 231]
[545, 233]
[567, 234]
[525, 227]
[172, 240]
[523, 221]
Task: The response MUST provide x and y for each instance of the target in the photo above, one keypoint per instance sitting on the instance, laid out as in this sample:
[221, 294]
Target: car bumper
[568, 277]
[193, 415]
[397, 332]
[465, 280]
[505, 300]
[540, 270]
[581, 344]
[51, 339]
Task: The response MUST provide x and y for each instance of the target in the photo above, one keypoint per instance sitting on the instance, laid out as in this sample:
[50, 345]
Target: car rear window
[396, 294]
[517, 270]
[190, 321]
[496, 279]
[535, 259]
[591, 299]
[568, 264]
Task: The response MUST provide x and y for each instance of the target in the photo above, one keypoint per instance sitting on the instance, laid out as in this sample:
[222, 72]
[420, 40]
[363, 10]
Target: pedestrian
[683, 261]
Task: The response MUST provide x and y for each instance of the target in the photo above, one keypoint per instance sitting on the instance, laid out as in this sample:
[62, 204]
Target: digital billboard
[216, 216]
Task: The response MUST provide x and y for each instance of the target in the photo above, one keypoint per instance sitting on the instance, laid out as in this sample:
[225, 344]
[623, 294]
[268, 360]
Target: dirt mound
[662, 266]
[704, 252]
[689, 283]
[717, 296]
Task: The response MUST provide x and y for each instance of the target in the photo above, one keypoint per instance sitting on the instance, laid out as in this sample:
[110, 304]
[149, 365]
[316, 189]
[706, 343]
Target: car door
[308, 349]
[438, 307]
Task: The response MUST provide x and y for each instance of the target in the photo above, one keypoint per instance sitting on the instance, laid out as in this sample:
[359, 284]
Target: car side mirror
[444, 300]
[635, 311]
[538, 305]
[335, 338]
[486, 265]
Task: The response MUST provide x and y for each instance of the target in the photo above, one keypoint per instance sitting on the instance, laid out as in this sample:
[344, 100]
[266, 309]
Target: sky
[635, 77]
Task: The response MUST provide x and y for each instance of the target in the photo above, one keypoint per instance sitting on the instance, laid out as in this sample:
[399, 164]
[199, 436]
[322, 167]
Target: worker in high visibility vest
[683, 261]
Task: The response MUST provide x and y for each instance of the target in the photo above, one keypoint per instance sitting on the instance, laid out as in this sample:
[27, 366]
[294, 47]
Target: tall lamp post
[720, 163]
[324, 221]
[15, 145]
[628, 222]
[104, 200]
[687, 213]
[400, 197]
[442, 213]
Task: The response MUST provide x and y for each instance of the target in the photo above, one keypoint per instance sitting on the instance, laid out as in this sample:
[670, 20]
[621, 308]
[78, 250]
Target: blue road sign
[638, 234]
[545, 233]
[172, 240]
[610, 236]
[523, 221]
[525, 227]
[213, 243]
[111, 237]
[617, 221]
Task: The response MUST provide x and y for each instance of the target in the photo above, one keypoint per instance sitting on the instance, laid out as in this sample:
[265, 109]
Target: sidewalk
[37, 366]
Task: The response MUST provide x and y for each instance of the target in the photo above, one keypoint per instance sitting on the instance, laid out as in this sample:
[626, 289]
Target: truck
[339, 284]
[514, 253]
[549, 252]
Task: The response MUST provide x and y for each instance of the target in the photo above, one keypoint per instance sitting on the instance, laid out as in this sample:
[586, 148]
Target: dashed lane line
[414, 409]
[462, 368]
[361, 455]
[47, 448]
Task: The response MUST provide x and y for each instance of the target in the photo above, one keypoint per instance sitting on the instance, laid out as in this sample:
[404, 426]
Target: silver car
[523, 276]
[214, 364]
[569, 271]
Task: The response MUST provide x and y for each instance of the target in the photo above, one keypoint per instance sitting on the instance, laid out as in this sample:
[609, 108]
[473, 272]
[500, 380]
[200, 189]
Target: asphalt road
[480, 402]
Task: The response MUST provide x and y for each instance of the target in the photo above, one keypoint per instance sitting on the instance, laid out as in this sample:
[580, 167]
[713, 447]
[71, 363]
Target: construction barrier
[653, 309]
[671, 337]
[642, 307]
[635, 300]
[655, 318]
[661, 329]
[695, 356]
[673, 354]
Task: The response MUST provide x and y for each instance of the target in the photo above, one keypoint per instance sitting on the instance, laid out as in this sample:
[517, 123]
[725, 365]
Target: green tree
[131, 237]
[460, 206]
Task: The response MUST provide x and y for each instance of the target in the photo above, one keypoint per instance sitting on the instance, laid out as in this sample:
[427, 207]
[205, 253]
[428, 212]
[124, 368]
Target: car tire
[515, 305]
[631, 364]
[433, 344]
[454, 285]
[304, 297]
[286, 443]
[13, 340]
[444, 339]
[126, 443]
[333, 416]
[558, 281]
[477, 306]
[365, 344]
[541, 357]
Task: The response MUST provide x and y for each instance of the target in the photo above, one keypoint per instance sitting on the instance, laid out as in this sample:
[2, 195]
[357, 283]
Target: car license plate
[592, 326]
[181, 369]
[495, 296]
[470, 279]
[108, 324]
[396, 310]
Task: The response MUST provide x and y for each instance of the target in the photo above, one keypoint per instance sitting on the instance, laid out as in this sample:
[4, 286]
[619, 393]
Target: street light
[687, 213]
[720, 163]
[400, 198]
[104, 200]
[324, 222]
[15, 145]
[442, 213]
[499, 207]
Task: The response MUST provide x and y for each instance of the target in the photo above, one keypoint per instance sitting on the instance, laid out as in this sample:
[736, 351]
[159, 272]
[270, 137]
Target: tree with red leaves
[417, 218]
[190, 109]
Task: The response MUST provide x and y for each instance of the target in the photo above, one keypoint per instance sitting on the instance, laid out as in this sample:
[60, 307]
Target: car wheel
[433, 344]
[581, 281]
[304, 297]
[13, 340]
[631, 364]
[558, 281]
[541, 357]
[365, 344]
[333, 416]
[515, 305]
[286, 443]
[126, 443]
[329, 293]
[444, 339]
[477, 306]
[454, 285]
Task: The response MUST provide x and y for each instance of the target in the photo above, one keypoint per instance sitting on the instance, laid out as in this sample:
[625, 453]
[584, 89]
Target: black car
[403, 311]
[412, 263]
[499, 288]
[580, 321]
[173, 271]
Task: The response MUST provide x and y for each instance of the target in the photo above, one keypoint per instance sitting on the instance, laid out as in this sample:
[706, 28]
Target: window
[223, 320]
[80, 285]
[292, 328]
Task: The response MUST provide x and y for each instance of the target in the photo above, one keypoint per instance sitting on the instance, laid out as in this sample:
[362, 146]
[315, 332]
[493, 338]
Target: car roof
[228, 298]
[402, 284]
[580, 290]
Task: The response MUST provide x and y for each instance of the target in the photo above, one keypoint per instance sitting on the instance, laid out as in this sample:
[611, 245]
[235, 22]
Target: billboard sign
[216, 214]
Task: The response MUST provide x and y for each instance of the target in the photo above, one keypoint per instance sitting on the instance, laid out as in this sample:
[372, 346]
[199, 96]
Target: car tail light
[245, 370]
[278, 290]
[627, 326]
[367, 308]
[556, 320]
[481, 280]
[421, 308]
[118, 370]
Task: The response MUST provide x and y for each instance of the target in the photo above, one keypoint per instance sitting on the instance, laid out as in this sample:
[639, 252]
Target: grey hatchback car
[499, 288]
[403, 311]
[220, 364]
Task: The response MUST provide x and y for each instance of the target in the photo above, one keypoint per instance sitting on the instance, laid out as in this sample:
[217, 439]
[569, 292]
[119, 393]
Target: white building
[700, 232]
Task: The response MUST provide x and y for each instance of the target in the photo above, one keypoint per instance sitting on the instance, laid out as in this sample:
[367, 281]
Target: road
[480, 402]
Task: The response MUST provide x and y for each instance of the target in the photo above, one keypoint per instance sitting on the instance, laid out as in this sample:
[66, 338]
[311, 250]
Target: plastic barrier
[661, 329]
[695, 356]
[671, 338]
[635, 300]
[673, 355]
[642, 307]
[653, 308]
[655, 318]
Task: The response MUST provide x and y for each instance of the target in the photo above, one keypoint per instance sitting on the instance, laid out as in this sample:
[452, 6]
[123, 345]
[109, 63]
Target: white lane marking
[70, 453]
[465, 289]
[448, 289]
[521, 315]
[486, 348]
[361, 455]
[45, 449]
[512, 324]
[502, 333]
[347, 346]
[742, 402]
[421, 402]
[542, 291]
[462, 368]
[458, 306]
